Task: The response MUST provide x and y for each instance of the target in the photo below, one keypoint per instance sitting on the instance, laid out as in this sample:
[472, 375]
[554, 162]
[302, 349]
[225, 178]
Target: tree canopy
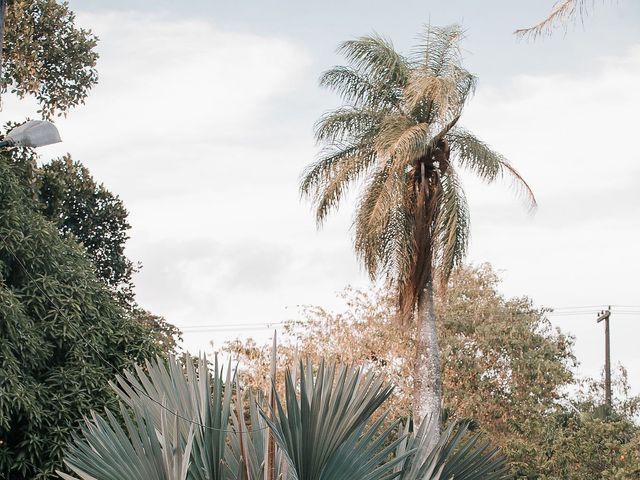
[62, 336]
[503, 365]
[47, 56]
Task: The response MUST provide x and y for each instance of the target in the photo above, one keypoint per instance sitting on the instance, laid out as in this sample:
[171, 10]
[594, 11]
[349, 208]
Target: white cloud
[573, 138]
[204, 132]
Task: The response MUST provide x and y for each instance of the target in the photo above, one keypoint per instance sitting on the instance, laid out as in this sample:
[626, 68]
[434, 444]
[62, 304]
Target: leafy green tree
[502, 362]
[397, 135]
[95, 217]
[47, 56]
[62, 336]
[503, 365]
[87, 212]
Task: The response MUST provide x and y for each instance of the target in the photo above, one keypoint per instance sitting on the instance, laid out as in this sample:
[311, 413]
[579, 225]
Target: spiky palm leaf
[456, 455]
[397, 132]
[248, 443]
[320, 423]
[140, 451]
[200, 397]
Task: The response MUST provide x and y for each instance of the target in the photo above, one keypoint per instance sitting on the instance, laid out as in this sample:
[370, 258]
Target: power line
[274, 325]
[133, 386]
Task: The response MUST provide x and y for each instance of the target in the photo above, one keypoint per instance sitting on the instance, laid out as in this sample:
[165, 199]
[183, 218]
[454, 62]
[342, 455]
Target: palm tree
[397, 136]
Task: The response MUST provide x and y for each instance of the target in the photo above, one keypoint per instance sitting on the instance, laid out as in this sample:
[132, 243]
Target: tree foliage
[62, 336]
[66, 194]
[92, 215]
[503, 365]
[47, 56]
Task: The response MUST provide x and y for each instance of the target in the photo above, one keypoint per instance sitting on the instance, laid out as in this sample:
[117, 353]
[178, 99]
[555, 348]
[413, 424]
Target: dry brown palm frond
[337, 184]
[423, 87]
[451, 227]
[404, 141]
[382, 224]
[562, 14]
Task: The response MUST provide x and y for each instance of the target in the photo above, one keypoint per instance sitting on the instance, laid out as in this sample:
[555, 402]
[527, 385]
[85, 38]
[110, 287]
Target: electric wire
[576, 310]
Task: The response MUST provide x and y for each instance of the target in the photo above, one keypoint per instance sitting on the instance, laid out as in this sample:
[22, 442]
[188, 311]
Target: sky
[202, 122]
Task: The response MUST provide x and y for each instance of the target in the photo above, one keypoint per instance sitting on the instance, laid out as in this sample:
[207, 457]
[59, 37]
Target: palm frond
[197, 395]
[454, 456]
[375, 58]
[360, 91]
[475, 155]
[452, 226]
[141, 450]
[247, 443]
[402, 139]
[562, 13]
[383, 223]
[321, 413]
[348, 124]
[326, 181]
[367, 454]
[439, 50]
[439, 85]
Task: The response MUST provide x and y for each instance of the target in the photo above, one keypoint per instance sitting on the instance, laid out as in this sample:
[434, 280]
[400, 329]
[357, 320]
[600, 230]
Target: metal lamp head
[34, 134]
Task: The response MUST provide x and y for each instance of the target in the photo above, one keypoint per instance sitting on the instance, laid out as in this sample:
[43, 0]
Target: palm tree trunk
[428, 376]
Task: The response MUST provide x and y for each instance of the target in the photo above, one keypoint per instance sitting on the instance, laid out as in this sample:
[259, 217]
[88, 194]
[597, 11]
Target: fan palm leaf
[315, 424]
[456, 455]
[199, 397]
[140, 451]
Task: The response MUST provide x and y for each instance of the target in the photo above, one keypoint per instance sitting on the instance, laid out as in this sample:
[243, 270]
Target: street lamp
[34, 134]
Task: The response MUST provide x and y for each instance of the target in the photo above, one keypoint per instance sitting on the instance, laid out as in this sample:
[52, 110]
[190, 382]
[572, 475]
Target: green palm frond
[375, 58]
[456, 455]
[321, 413]
[248, 443]
[477, 157]
[142, 450]
[366, 454]
[348, 124]
[197, 395]
[358, 90]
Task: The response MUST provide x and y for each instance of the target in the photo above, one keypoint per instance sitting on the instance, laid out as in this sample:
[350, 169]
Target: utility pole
[606, 315]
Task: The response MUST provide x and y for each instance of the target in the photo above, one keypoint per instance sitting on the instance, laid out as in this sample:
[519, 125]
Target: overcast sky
[202, 123]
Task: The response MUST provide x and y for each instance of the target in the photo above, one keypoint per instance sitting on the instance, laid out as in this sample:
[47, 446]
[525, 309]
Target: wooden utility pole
[606, 315]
